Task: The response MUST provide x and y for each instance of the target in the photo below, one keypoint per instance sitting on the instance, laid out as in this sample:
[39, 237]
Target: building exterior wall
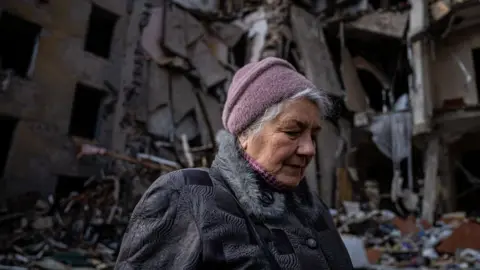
[453, 73]
[41, 148]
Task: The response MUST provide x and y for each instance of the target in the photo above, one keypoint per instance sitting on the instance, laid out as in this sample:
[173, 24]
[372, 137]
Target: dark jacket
[185, 221]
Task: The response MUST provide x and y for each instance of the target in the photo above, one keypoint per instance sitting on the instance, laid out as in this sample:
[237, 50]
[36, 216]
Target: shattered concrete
[382, 240]
[166, 77]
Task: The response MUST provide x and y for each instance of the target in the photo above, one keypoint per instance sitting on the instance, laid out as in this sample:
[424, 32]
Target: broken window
[100, 30]
[8, 125]
[18, 44]
[476, 66]
[85, 111]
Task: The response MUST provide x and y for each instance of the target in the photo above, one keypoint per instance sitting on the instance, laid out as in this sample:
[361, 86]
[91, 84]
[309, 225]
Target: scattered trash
[183, 58]
[380, 238]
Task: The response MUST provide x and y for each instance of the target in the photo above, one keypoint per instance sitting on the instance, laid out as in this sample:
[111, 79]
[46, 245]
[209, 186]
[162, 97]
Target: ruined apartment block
[147, 80]
[411, 76]
[445, 58]
[56, 58]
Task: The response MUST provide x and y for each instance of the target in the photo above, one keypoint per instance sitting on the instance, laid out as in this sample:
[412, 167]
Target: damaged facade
[55, 62]
[410, 74]
[409, 70]
[122, 91]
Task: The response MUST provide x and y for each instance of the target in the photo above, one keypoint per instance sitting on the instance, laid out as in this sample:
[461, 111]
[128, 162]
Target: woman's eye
[292, 133]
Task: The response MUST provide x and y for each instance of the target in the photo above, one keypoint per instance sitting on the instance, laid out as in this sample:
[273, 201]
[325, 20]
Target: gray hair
[319, 98]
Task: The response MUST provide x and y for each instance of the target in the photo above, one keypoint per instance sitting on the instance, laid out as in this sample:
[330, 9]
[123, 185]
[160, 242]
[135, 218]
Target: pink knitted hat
[258, 86]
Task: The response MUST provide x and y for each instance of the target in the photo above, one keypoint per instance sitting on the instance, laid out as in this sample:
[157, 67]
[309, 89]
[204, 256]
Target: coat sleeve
[162, 233]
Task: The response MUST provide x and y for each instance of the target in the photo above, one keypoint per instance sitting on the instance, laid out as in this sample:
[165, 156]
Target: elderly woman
[252, 209]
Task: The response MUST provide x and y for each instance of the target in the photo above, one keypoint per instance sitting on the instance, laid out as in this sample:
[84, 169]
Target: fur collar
[257, 199]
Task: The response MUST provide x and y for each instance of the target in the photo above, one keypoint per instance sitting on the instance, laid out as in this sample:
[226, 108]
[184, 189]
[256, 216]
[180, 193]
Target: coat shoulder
[161, 226]
[178, 179]
[164, 191]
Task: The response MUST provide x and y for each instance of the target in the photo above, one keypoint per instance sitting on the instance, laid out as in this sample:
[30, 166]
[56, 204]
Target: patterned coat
[185, 221]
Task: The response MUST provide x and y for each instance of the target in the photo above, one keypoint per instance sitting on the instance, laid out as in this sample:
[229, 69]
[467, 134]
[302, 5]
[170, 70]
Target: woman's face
[285, 145]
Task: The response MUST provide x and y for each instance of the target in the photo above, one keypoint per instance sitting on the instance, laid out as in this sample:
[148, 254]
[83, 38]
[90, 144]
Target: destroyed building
[109, 94]
[56, 58]
[409, 70]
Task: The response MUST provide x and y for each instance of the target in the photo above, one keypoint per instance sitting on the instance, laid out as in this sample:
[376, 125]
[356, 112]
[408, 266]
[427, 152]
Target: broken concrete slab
[151, 35]
[213, 116]
[152, 38]
[355, 98]
[309, 37]
[208, 67]
[183, 95]
[218, 48]
[180, 30]
[160, 122]
[193, 28]
[207, 7]
[188, 126]
[230, 33]
[388, 23]
[158, 84]
[174, 39]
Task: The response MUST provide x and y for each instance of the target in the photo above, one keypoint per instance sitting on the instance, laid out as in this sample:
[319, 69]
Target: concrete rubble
[80, 231]
[380, 239]
[403, 78]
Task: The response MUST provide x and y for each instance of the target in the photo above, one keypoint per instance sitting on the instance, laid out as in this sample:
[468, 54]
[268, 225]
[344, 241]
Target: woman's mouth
[296, 169]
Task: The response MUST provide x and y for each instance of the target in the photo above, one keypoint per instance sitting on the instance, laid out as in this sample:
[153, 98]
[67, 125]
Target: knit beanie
[256, 87]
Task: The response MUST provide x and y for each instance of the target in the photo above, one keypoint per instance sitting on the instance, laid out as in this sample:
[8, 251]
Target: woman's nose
[306, 146]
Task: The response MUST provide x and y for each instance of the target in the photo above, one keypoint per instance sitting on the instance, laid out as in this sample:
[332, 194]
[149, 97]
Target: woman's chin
[289, 180]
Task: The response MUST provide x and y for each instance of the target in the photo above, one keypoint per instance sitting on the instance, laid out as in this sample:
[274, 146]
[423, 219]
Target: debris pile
[380, 239]
[180, 58]
[80, 230]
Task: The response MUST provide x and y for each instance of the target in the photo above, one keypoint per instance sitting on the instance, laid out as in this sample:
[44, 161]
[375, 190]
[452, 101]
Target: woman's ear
[243, 142]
